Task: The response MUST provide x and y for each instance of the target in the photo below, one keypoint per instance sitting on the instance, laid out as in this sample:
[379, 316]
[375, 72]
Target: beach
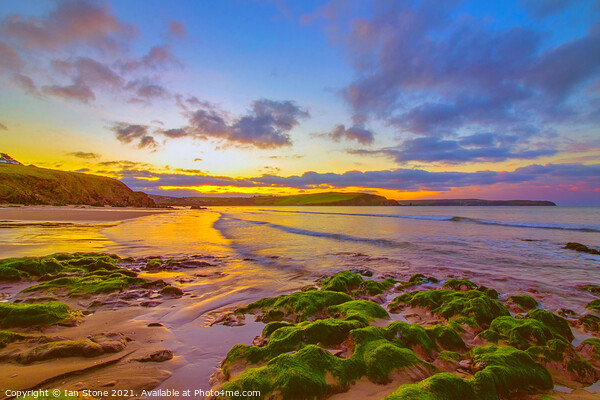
[229, 257]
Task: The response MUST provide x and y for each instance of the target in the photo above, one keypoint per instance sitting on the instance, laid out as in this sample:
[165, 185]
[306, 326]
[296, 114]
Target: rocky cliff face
[21, 184]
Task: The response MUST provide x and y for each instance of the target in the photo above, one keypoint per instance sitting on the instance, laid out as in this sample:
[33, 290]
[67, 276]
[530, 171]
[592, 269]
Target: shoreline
[75, 213]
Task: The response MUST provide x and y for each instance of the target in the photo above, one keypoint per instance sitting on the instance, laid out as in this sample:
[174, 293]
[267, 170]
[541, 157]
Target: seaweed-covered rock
[295, 307]
[475, 307]
[524, 301]
[284, 337]
[459, 284]
[14, 269]
[503, 371]
[559, 324]
[491, 293]
[590, 323]
[361, 310]
[590, 350]
[562, 358]
[25, 315]
[593, 305]
[343, 281]
[7, 337]
[353, 283]
[507, 371]
[90, 284]
[426, 340]
[581, 248]
[524, 332]
[442, 386]
[377, 352]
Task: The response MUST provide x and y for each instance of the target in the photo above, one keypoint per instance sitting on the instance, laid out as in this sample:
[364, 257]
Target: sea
[510, 247]
[255, 252]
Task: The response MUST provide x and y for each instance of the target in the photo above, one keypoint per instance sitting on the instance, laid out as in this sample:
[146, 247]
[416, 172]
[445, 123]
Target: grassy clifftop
[318, 199]
[21, 184]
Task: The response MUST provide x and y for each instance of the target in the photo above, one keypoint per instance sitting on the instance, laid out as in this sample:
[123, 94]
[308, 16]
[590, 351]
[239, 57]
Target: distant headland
[475, 202]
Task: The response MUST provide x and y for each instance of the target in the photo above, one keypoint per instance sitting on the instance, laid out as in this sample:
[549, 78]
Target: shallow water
[261, 251]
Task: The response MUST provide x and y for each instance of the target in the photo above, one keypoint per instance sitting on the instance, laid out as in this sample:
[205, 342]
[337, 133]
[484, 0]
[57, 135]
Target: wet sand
[73, 214]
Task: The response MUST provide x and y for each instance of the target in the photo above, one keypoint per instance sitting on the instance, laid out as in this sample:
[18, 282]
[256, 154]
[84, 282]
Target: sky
[405, 99]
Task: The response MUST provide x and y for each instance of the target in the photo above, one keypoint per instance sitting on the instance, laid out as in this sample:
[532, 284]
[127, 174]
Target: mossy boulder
[522, 333]
[313, 372]
[590, 350]
[581, 248]
[26, 315]
[442, 386]
[459, 284]
[343, 281]
[283, 338]
[353, 283]
[593, 305]
[360, 310]
[428, 340]
[90, 284]
[23, 268]
[473, 306]
[507, 371]
[295, 307]
[559, 324]
[561, 357]
[524, 301]
[503, 372]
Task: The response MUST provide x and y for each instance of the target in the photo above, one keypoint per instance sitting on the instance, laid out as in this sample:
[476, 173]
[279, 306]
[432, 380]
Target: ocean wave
[336, 236]
[565, 227]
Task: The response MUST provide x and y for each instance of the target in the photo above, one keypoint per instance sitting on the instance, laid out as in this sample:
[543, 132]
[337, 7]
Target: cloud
[266, 124]
[541, 9]
[177, 29]
[425, 71]
[482, 147]
[82, 170]
[84, 155]
[584, 177]
[79, 92]
[73, 21]
[355, 132]
[128, 133]
[3, 127]
[158, 57]
[27, 84]
[10, 60]
[145, 92]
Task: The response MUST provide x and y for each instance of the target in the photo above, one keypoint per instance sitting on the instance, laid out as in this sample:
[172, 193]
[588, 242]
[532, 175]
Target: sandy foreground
[74, 214]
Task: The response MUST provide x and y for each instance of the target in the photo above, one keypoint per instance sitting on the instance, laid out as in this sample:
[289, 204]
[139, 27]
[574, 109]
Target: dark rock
[157, 356]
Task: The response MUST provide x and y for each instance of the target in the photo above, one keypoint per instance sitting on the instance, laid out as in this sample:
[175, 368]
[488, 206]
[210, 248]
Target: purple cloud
[128, 133]
[355, 132]
[426, 72]
[10, 60]
[72, 21]
[79, 92]
[177, 29]
[27, 84]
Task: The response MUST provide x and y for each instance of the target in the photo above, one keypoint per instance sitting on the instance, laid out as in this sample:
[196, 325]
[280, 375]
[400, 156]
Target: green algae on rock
[458, 284]
[353, 283]
[361, 310]
[504, 371]
[14, 269]
[295, 307]
[25, 315]
[593, 305]
[475, 307]
[524, 301]
[526, 332]
[560, 356]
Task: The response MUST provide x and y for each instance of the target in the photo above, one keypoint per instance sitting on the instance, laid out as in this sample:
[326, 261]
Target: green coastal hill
[317, 199]
[475, 202]
[20, 184]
